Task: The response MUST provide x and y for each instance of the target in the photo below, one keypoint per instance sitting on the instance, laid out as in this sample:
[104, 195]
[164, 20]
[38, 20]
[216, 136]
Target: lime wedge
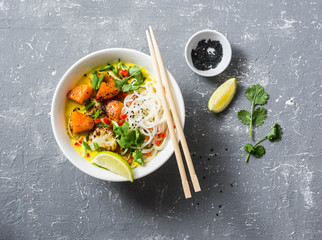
[222, 96]
[115, 163]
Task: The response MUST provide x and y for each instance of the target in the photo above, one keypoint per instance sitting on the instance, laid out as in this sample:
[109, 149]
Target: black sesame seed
[217, 214]
[220, 206]
[212, 150]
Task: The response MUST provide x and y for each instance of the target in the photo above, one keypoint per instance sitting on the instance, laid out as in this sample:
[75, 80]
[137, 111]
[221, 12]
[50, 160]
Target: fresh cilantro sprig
[136, 72]
[124, 84]
[258, 150]
[257, 96]
[129, 139]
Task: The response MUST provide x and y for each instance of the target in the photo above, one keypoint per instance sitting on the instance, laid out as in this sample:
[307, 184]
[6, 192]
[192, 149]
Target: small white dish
[73, 74]
[213, 35]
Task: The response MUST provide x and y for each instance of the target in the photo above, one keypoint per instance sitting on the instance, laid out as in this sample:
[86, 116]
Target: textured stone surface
[42, 196]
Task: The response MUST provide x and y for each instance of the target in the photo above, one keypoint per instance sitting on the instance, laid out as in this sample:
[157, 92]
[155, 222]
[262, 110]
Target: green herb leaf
[134, 70]
[86, 146]
[134, 88]
[121, 130]
[137, 74]
[256, 151]
[119, 83]
[259, 151]
[256, 95]
[249, 148]
[259, 115]
[127, 138]
[138, 156]
[125, 142]
[126, 87]
[124, 84]
[244, 117]
[140, 138]
[275, 134]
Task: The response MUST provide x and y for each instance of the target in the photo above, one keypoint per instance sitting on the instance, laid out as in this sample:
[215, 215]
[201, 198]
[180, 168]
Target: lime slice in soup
[115, 163]
[222, 96]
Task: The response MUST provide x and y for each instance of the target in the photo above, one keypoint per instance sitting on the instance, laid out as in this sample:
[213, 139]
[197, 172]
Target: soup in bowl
[107, 102]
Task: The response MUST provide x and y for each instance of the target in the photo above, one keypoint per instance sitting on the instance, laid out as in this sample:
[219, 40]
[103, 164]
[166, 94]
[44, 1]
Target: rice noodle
[145, 113]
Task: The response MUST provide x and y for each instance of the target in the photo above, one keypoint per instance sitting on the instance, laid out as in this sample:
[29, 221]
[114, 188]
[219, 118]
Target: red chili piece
[96, 121]
[124, 73]
[106, 120]
[124, 116]
[120, 123]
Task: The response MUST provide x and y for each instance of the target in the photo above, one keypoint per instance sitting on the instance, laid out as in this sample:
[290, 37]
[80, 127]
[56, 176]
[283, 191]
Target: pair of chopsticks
[162, 80]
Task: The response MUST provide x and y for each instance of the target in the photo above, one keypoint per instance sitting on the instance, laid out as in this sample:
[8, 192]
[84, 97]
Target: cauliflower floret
[104, 137]
[97, 106]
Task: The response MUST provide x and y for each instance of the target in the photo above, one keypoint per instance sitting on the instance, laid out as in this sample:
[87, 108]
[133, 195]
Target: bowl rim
[166, 153]
[208, 73]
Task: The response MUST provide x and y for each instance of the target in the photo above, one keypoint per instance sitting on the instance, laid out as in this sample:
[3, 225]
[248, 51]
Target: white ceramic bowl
[213, 35]
[73, 74]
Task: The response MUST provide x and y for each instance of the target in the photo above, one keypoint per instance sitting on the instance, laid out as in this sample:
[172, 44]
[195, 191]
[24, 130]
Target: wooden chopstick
[165, 81]
[165, 106]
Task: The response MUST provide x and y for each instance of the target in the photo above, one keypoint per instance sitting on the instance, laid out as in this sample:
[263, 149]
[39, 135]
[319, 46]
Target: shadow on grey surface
[161, 191]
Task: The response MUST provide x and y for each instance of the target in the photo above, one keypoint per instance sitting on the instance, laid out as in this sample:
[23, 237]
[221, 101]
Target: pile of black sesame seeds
[207, 55]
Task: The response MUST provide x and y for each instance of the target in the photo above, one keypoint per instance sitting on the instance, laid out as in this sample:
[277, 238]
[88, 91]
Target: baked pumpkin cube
[80, 93]
[81, 122]
[106, 91]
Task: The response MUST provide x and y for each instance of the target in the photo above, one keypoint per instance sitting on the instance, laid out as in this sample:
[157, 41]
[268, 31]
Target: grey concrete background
[275, 43]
